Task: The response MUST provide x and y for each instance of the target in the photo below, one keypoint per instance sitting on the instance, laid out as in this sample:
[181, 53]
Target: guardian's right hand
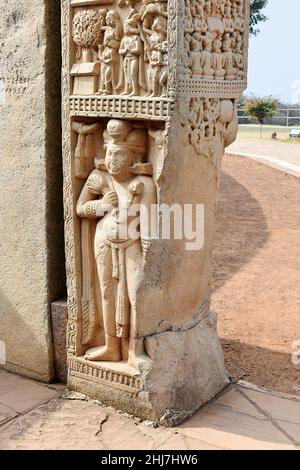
[110, 201]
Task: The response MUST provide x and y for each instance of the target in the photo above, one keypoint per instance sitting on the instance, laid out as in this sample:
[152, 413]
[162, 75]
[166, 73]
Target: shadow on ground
[241, 230]
[256, 273]
[260, 365]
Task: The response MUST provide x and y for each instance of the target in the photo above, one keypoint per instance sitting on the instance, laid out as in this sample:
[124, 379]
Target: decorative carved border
[121, 107]
[104, 375]
[173, 29]
[68, 192]
[246, 39]
[189, 87]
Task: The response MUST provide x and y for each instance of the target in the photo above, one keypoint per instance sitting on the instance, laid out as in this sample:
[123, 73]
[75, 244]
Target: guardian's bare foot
[110, 352]
[103, 354]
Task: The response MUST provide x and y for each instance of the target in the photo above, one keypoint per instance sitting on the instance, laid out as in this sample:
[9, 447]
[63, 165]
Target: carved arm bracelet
[94, 209]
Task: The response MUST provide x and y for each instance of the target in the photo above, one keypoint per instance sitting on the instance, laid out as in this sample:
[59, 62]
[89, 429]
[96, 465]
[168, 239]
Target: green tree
[256, 15]
[261, 109]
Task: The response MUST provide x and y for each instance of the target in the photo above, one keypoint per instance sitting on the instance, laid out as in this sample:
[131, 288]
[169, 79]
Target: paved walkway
[285, 157]
[34, 416]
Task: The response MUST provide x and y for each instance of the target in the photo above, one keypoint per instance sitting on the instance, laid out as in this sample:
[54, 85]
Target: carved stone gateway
[150, 90]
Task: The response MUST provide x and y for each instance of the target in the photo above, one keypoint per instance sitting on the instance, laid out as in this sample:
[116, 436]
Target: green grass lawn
[252, 131]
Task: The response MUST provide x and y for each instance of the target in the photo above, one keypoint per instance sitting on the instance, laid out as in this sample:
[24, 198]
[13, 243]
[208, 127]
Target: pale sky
[274, 56]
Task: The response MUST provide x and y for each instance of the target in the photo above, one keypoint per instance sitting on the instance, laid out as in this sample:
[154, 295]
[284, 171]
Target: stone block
[59, 320]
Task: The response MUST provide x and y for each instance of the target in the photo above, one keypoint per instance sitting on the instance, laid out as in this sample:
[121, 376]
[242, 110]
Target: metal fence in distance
[284, 117]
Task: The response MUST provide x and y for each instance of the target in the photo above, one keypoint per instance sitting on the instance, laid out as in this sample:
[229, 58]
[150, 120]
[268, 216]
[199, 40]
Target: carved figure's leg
[164, 82]
[149, 81]
[108, 81]
[127, 76]
[156, 81]
[112, 349]
[102, 80]
[134, 69]
[134, 273]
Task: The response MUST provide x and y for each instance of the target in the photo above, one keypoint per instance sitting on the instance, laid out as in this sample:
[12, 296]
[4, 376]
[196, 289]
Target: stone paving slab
[21, 395]
[239, 418]
[6, 414]
[284, 412]
[235, 427]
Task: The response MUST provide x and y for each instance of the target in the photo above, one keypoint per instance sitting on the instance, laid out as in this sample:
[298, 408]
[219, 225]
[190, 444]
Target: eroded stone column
[31, 237]
[150, 103]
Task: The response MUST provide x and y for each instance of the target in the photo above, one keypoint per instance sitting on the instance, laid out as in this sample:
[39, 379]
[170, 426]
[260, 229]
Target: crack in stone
[270, 418]
[187, 326]
[102, 422]
[10, 421]
[200, 441]
[244, 413]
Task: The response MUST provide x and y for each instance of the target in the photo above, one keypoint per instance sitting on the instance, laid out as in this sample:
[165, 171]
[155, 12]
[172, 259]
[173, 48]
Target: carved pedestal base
[86, 78]
[187, 371]
[114, 384]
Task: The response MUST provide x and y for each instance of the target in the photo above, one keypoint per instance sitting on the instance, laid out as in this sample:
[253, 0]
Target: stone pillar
[159, 83]
[31, 236]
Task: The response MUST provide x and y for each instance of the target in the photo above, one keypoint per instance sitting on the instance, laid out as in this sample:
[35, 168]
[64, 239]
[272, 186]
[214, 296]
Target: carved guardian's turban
[124, 134]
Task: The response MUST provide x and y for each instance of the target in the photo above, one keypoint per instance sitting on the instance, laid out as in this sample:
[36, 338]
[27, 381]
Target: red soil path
[257, 273]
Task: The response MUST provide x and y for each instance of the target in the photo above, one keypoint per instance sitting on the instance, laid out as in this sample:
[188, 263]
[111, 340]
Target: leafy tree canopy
[256, 15]
[261, 108]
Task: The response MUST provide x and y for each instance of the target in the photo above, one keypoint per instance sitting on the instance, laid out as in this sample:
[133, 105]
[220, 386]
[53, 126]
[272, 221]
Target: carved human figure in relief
[228, 20]
[199, 24]
[239, 59]
[208, 118]
[207, 59]
[217, 7]
[218, 61]
[108, 197]
[238, 21]
[157, 50]
[132, 51]
[196, 49]
[109, 54]
[188, 21]
[230, 70]
[151, 9]
[154, 35]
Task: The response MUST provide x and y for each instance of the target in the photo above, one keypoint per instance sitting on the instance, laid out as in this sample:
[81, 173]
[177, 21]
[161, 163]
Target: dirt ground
[257, 273]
